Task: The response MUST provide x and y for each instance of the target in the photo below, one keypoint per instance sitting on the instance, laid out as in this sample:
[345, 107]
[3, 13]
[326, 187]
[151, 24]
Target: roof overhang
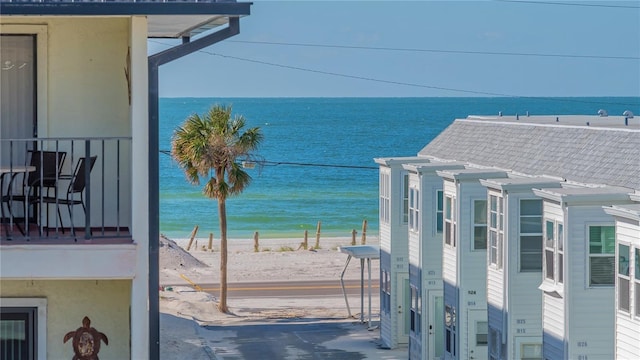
[169, 19]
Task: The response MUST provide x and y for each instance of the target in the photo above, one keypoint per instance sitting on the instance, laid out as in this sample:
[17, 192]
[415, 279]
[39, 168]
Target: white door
[435, 324]
[403, 312]
[478, 335]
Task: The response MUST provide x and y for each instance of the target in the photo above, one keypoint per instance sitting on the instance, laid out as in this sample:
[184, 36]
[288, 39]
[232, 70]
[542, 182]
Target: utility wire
[276, 163]
[475, 92]
[569, 4]
[438, 50]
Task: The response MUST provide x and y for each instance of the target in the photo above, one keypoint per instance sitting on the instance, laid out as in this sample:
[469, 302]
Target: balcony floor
[99, 236]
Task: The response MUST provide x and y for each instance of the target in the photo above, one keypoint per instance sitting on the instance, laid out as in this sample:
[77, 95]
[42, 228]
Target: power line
[475, 92]
[569, 4]
[439, 50]
[276, 163]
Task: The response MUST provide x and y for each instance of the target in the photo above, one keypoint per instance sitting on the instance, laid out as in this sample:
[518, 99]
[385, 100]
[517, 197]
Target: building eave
[173, 19]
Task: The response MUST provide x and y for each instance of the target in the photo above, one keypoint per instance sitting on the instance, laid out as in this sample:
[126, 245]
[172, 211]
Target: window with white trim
[530, 351]
[623, 277]
[495, 344]
[385, 291]
[23, 327]
[480, 224]
[414, 209]
[439, 210]
[636, 281]
[602, 247]
[449, 221]
[549, 249]
[482, 333]
[385, 200]
[450, 329]
[416, 310]
[405, 198]
[496, 230]
[530, 235]
[560, 252]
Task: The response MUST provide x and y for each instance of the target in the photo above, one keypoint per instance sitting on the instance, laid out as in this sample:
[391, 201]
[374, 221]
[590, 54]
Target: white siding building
[597, 161]
[514, 266]
[627, 324]
[394, 250]
[464, 262]
[578, 271]
[426, 335]
[76, 84]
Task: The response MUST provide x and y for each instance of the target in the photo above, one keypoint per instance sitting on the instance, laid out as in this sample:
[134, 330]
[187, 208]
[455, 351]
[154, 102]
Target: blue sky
[450, 39]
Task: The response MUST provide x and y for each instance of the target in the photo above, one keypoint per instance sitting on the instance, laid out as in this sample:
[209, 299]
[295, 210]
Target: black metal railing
[76, 188]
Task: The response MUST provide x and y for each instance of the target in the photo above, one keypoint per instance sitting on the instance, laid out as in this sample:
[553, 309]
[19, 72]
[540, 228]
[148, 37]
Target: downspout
[154, 62]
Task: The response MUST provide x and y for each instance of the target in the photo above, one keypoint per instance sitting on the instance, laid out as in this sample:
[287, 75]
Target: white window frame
[495, 344]
[405, 198]
[549, 240]
[385, 289]
[623, 275]
[636, 282]
[41, 328]
[560, 252]
[385, 199]
[414, 209]
[522, 235]
[439, 213]
[449, 220]
[450, 330]
[590, 256]
[496, 230]
[482, 225]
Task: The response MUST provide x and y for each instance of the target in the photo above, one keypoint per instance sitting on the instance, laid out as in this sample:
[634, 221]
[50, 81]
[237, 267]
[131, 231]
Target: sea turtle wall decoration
[86, 341]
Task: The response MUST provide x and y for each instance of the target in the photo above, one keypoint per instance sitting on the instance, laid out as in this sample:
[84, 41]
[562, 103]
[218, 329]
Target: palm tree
[209, 147]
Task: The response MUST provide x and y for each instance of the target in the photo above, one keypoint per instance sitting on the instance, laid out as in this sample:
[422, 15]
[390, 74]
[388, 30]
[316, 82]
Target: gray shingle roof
[582, 154]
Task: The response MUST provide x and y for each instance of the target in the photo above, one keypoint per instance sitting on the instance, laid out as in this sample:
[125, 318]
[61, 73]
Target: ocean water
[319, 153]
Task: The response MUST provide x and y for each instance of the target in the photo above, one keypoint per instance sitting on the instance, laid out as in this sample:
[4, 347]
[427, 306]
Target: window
[602, 242]
[496, 230]
[482, 333]
[480, 224]
[449, 222]
[623, 277]
[450, 329]
[439, 210]
[637, 281]
[531, 352]
[405, 198]
[385, 201]
[530, 235]
[549, 249]
[414, 209]
[560, 252]
[385, 291]
[416, 310]
[495, 344]
[23, 328]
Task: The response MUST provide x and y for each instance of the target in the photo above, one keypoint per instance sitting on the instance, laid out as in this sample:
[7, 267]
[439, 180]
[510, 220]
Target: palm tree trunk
[222, 213]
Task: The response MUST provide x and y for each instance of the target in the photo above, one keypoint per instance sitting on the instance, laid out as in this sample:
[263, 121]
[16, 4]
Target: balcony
[66, 191]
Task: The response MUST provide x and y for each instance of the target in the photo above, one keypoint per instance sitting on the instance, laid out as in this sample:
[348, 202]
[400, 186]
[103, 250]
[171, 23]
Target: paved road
[318, 288]
[286, 341]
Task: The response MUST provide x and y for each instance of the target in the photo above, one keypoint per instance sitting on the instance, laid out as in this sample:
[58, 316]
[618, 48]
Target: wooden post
[364, 232]
[318, 235]
[210, 241]
[353, 236]
[192, 236]
[305, 242]
[256, 245]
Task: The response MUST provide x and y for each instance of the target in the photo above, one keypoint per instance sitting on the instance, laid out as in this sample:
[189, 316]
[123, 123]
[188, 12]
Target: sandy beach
[184, 311]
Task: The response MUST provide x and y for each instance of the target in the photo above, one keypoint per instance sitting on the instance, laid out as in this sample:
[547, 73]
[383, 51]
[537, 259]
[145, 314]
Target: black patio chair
[48, 168]
[77, 185]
